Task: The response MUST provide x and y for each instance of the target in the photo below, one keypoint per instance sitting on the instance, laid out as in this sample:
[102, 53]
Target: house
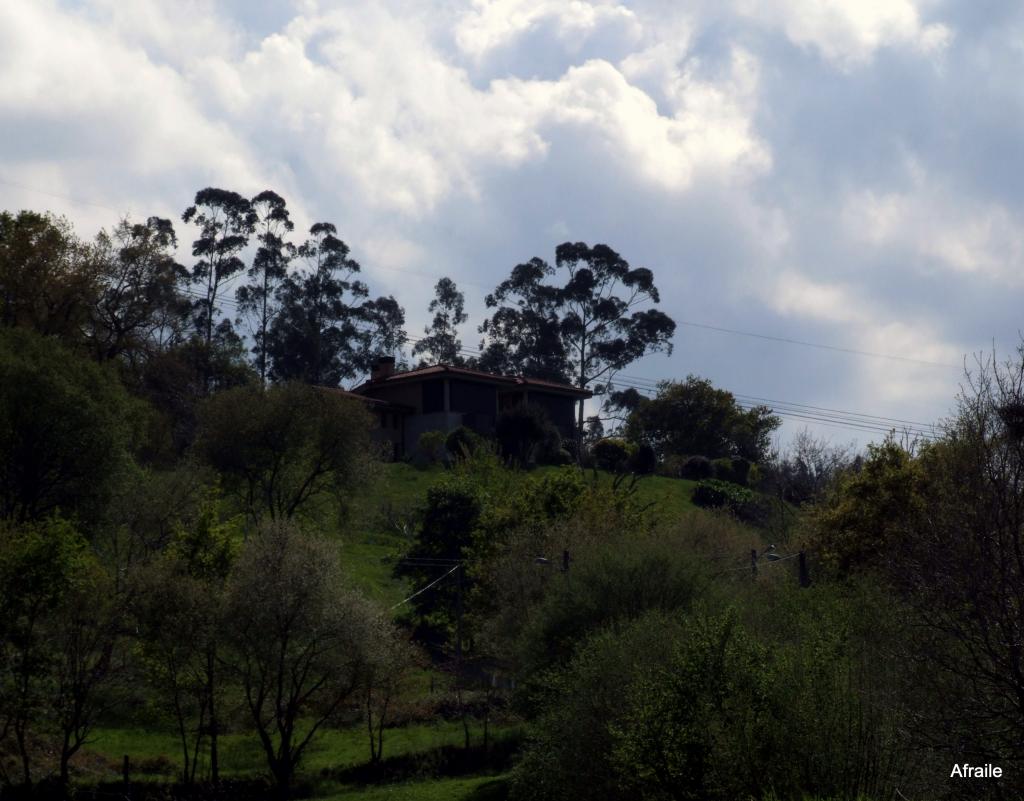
[443, 397]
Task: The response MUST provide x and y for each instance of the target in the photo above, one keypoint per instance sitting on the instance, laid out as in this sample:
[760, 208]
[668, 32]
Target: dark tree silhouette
[226, 220]
[257, 300]
[585, 330]
[327, 329]
[442, 343]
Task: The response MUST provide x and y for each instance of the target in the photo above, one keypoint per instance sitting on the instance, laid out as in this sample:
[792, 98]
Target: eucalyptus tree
[140, 305]
[256, 300]
[582, 320]
[226, 220]
[442, 343]
[328, 329]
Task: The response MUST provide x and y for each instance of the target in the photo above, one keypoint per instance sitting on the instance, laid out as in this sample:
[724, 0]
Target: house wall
[476, 402]
[403, 394]
[417, 424]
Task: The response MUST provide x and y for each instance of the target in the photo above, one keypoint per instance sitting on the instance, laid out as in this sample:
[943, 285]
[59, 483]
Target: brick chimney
[383, 366]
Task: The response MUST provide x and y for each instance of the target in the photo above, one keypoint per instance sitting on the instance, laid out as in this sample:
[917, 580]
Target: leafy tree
[66, 425]
[140, 307]
[283, 449]
[178, 603]
[692, 417]
[327, 330]
[523, 335]
[585, 330]
[38, 563]
[526, 434]
[442, 343]
[226, 220]
[299, 640]
[48, 278]
[257, 299]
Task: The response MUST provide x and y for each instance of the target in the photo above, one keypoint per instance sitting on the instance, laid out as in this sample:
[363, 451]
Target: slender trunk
[214, 761]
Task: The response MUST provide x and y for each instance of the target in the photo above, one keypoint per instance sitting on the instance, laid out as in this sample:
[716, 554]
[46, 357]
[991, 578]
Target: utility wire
[424, 589]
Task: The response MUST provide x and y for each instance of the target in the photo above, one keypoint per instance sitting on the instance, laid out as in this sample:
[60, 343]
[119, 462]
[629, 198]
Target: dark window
[433, 396]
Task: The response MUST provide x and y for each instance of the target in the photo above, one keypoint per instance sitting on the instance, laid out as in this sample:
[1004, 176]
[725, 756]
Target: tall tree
[523, 335]
[327, 330]
[442, 343]
[226, 220]
[300, 638]
[269, 267]
[48, 280]
[140, 306]
[585, 329]
[693, 417]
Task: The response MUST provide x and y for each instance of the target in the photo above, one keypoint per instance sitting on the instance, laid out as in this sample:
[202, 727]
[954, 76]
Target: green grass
[477, 788]
[400, 489]
[240, 754]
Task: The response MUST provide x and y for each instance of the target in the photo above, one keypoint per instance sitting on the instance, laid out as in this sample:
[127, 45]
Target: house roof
[447, 370]
[376, 403]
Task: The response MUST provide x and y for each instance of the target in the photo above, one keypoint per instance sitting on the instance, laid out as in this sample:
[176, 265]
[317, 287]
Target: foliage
[442, 343]
[526, 435]
[283, 449]
[298, 640]
[580, 705]
[226, 220]
[327, 328]
[269, 267]
[48, 281]
[140, 307]
[808, 469]
[736, 470]
[586, 329]
[66, 428]
[715, 494]
[870, 513]
[431, 445]
[693, 417]
[644, 460]
[696, 468]
[612, 454]
[463, 442]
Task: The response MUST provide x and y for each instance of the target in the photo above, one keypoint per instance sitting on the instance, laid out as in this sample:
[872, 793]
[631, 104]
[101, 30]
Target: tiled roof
[450, 370]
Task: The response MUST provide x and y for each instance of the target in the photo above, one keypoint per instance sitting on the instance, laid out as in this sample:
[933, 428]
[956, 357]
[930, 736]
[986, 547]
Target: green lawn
[477, 788]
[379, 514]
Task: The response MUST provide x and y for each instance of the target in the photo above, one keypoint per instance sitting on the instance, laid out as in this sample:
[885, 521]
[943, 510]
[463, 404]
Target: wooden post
[805, 576]
[753, 563]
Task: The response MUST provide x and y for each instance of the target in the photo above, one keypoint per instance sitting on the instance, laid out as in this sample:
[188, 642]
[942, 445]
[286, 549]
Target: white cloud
[848, 32]
[940, 227]
[491, 24]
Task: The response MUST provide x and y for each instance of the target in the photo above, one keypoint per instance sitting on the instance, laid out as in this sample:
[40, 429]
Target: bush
[612, 454]
[431, 445]
[463, 442]
[696, 468]
[644, 461]
[526, 435]
[713, 493]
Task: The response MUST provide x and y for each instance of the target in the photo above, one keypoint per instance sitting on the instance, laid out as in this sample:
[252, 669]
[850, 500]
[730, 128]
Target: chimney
[383, 366]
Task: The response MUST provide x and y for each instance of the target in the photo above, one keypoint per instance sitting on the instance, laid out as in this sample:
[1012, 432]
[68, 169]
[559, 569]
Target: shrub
[671, 466]
[612, 454]
[431, 445]
[644, 461]
[713, 493]
[740, 471]
[463, 442]
[526, 435]
[721, 469]
[696, 468]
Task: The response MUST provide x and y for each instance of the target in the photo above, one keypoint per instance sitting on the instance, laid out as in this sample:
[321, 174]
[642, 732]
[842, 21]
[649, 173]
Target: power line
[805, 344]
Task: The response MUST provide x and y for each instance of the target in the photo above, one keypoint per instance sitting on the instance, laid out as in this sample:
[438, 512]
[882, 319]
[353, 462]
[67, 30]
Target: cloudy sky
[840, 172]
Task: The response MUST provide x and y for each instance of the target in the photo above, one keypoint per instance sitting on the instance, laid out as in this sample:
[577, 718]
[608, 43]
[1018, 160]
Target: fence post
[805, 576]
[753, 562]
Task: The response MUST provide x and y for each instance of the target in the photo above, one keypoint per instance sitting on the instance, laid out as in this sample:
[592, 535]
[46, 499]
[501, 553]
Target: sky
[846, 173]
